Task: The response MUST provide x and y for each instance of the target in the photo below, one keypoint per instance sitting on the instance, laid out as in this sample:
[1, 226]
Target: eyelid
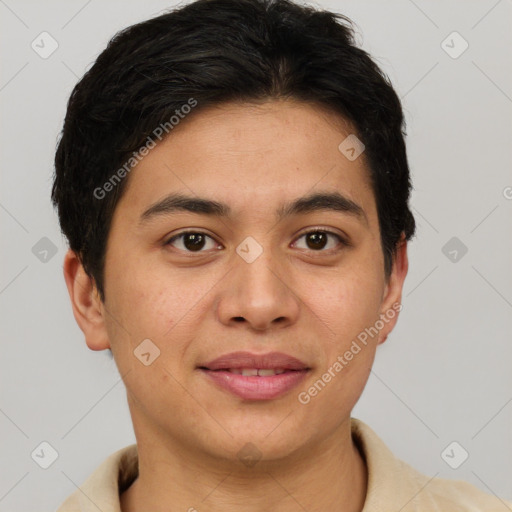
[189, 231]
[315, 229]
[342, 239]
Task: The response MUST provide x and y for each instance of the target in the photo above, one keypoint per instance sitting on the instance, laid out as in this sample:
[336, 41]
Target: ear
[392, 297]
[88, 309]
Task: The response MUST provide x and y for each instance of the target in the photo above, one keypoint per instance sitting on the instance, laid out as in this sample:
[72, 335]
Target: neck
[331, 475]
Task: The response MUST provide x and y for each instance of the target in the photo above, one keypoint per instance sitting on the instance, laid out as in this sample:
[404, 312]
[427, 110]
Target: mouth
[256, 376]
[252, 372]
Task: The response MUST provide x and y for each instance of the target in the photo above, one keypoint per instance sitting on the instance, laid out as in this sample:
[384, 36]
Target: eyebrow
[320, 201]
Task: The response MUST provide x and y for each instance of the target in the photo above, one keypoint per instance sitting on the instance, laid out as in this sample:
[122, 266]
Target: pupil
[317, 239]
[193, 241]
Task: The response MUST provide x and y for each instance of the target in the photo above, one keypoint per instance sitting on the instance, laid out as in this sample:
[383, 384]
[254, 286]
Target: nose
[258, 294]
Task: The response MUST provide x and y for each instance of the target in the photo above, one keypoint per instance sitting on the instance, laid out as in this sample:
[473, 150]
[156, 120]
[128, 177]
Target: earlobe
[86, 303]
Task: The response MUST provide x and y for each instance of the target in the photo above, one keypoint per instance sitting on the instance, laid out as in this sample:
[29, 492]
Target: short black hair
[203, 54]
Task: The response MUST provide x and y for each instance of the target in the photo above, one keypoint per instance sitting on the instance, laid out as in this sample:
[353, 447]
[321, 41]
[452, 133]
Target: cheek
[160, 302]
[141, 301]
[347, 305]
[354, 307]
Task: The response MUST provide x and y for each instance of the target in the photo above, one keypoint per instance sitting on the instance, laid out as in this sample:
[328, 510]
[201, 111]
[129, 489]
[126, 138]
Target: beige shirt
[393, 485]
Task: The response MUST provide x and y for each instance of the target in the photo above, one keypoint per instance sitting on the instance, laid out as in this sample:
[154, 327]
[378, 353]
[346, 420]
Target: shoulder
[395, 485]
[446, 495]
[71, 504]
[102, 488]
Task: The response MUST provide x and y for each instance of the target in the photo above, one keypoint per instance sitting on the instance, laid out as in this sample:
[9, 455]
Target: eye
[318, 239]
[191, 241]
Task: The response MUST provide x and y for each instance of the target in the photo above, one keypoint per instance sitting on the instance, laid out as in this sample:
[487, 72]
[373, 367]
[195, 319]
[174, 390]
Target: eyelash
[341, 240]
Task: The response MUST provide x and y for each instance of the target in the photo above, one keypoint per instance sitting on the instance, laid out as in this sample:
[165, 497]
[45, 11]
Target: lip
[270, 360]
[252, 387]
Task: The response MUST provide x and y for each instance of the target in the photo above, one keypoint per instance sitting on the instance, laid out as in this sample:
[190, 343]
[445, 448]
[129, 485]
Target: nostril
[239, 318]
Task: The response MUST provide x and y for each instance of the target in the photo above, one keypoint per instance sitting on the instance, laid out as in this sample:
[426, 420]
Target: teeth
[249, 372]
[269, 371]
[261, 372]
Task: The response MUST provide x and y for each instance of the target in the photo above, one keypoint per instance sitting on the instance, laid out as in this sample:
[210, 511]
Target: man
[233, 182]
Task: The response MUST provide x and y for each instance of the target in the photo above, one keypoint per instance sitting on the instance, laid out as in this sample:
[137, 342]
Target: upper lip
[270, 360]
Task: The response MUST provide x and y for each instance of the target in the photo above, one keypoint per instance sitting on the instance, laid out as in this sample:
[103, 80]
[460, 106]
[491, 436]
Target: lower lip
[257, 388]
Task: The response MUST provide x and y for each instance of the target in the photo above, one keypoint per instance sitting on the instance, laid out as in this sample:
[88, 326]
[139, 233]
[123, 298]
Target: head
[247, 104]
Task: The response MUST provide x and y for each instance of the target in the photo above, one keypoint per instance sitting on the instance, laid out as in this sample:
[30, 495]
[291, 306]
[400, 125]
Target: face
[249, 278]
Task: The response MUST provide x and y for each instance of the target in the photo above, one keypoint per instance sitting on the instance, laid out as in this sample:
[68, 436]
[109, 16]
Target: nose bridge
[256, 290]
[259, 276]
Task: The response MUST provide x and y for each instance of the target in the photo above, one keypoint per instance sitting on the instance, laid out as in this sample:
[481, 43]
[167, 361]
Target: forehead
[251, 157]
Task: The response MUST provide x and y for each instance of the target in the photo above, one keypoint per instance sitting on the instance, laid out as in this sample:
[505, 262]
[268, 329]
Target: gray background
[444, 373]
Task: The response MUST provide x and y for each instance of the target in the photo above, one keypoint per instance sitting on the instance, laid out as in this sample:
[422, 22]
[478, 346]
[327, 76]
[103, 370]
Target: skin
[296, 298]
